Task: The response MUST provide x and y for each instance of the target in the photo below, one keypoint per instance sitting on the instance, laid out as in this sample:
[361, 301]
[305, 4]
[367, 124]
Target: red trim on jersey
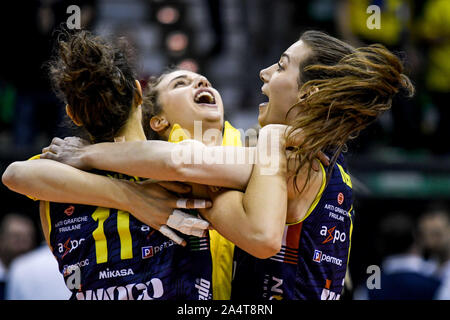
[293, 236]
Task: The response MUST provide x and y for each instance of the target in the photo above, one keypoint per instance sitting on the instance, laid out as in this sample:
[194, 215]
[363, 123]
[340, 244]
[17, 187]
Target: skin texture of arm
[188, 161]
[53, 181]
[254, 221]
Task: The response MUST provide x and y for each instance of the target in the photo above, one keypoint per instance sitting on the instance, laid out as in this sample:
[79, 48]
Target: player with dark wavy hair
[114, 255]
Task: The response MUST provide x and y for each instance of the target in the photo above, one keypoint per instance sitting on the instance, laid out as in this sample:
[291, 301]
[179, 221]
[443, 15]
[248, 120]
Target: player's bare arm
[160, 160]
[254, 220]
[53, 181]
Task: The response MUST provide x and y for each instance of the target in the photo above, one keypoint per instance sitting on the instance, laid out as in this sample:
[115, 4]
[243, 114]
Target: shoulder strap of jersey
[231, 136]
[177, 134]
[316, 199]
[222, 250]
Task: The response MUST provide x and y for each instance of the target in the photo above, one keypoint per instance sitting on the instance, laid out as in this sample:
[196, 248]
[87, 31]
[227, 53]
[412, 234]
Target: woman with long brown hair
[328, 91]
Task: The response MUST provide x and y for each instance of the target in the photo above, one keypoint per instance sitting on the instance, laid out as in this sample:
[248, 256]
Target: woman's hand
[68, 151]
[155, 204]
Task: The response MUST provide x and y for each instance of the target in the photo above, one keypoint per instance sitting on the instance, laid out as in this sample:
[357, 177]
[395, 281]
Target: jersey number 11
[123, 228]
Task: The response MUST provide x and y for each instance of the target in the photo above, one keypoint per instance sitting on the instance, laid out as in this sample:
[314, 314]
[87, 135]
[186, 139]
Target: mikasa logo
[115, 273]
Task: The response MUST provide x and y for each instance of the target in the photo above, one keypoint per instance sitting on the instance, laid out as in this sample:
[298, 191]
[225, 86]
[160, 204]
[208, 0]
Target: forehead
[175, 74]
[297, 51]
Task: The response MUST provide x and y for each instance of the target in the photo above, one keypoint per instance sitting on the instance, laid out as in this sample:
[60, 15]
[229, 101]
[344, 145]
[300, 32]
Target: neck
[132, 130]
[210, 133]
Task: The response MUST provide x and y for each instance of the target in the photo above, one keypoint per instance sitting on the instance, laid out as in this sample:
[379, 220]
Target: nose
[264, 75]
[202, 82]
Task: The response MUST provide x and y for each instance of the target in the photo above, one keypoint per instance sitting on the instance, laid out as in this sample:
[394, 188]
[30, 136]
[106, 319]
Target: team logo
[317, 255]
[68, 246]
[150, 290]
[332, 234]
[68, 269]
[106, 274]
[150, 251]
[324, 232]
[69, 211]
[147, 252]
[150, 231]
[340, 198]
[203, 287]
[327, 294]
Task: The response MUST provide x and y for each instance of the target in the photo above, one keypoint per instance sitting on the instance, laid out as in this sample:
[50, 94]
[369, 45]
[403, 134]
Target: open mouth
[263, 107]
[264, 104]
[205, 97]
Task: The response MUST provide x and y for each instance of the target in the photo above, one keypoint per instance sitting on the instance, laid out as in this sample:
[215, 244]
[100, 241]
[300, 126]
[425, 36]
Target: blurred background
[400, 165]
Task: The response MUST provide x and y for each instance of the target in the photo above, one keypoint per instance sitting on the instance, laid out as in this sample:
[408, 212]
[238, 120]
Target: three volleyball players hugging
[170, 194]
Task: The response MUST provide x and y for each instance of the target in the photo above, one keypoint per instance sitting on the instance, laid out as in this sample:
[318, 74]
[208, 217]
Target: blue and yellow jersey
[119, 257]
[312, 262]
[222, 250]
[116, 256]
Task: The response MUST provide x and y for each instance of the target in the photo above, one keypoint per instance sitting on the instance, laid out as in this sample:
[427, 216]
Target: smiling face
[186, 97]
[281, 85]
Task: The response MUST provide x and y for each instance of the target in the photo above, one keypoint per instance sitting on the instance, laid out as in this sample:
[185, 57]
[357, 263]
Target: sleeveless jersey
[107, 254]
[312, 262]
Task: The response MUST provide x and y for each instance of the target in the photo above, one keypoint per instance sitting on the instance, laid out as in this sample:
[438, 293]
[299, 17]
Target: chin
[261, 121]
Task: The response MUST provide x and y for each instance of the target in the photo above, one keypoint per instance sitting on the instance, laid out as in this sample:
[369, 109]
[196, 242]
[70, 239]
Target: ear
[72, 117]
[159, 123]
[138, 93]
[309, 92]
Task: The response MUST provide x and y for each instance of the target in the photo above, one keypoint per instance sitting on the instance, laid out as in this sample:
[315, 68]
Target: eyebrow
[286, 56]
[182, 76]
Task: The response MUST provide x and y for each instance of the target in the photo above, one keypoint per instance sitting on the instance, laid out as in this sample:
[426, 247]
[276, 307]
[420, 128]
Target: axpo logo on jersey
[332, 234]
[68, 246]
